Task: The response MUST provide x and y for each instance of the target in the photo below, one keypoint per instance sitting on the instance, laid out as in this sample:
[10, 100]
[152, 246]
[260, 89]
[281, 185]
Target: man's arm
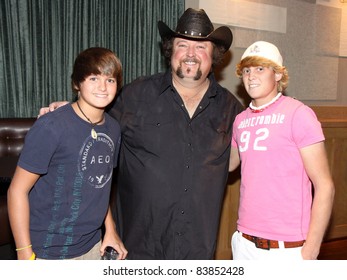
[51, 107]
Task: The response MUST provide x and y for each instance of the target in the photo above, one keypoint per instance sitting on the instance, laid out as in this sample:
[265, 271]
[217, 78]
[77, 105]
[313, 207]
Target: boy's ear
[278, 76]
[76, 87]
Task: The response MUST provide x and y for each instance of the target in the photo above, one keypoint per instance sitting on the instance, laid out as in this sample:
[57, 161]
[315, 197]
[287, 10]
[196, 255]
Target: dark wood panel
[334, 123]
[334, 250]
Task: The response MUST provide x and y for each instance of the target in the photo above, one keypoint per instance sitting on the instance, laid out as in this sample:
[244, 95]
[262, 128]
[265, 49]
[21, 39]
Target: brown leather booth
[12, 134]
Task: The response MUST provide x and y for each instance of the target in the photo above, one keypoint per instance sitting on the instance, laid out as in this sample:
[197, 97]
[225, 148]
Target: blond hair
[253, 61]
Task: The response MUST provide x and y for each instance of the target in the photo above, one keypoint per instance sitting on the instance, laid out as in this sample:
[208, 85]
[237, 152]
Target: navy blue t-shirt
[69, 202]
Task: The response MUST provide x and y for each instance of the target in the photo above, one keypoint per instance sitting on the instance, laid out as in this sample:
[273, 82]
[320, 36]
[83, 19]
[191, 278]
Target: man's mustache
[190, 60]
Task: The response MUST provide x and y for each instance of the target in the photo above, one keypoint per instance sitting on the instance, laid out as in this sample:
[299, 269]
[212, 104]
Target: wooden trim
[331, 116]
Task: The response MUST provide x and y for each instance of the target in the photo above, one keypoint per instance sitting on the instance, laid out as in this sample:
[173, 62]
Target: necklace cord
[93, 124]
[261, 108]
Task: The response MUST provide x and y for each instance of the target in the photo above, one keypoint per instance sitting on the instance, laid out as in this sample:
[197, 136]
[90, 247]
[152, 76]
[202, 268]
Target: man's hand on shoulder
[51, 107]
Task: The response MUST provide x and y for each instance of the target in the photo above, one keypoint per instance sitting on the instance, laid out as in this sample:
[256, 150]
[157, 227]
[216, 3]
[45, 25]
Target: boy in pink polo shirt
[280, 145]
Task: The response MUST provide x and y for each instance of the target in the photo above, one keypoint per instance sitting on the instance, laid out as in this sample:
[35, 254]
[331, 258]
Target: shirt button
[187, 166]
[182, 212]
[185, 190]
[158, 124]
[189, 144]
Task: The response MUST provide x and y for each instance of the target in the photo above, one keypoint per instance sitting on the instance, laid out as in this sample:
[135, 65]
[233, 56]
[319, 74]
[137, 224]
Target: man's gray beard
[179, 73]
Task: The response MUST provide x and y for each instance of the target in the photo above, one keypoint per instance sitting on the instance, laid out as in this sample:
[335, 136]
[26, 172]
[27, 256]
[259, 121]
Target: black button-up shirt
[173, 169]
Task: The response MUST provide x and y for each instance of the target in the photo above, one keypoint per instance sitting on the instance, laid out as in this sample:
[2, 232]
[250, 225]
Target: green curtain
[40, 40]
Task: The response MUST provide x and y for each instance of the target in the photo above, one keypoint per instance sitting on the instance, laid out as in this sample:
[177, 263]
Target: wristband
[23, 248]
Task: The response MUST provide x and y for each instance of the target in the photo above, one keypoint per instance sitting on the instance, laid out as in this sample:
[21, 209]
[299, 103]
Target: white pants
[244, 249]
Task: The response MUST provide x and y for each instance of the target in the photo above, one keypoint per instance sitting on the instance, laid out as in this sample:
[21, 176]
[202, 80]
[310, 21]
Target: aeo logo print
[95, 160]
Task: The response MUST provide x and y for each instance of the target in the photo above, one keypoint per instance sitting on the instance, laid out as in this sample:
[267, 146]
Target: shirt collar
[167, 81]
[212, 91]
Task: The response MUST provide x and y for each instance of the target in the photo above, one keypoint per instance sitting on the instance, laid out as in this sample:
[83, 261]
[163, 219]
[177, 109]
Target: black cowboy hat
[196, 25]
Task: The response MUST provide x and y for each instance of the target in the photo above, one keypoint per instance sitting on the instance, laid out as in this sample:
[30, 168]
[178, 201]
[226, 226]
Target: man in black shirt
[176, 133]
[174, 158]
